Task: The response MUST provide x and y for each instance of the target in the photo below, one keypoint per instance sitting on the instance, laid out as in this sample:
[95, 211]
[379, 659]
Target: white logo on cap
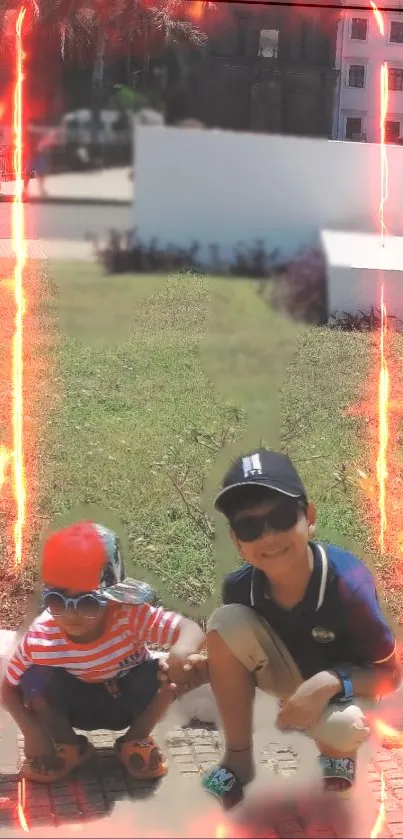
[251, 466]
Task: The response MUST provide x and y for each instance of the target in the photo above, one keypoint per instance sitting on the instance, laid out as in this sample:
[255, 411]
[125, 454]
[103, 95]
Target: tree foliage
[77, 23]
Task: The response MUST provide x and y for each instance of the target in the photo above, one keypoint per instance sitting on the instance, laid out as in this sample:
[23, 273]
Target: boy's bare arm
[306, 705]
[37, 742]
[378, 680]
[11, 698]
[369, 682]
[190, 640]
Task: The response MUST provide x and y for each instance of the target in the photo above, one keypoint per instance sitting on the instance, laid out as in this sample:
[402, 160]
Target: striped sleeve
[19, 662]
[155, 625]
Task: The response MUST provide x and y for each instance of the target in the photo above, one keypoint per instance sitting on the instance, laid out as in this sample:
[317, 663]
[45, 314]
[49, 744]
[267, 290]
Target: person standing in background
[36, 166]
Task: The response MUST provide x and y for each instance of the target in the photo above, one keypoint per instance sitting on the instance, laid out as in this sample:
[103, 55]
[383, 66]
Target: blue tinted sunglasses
[87, 605]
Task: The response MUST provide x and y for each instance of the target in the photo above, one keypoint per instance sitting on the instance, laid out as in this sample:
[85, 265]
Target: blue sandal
[224, 785]
[339, 774]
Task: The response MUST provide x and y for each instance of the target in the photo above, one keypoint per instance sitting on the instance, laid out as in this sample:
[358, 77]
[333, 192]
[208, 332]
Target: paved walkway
[100, 789]
[284, 801]
[100, 186]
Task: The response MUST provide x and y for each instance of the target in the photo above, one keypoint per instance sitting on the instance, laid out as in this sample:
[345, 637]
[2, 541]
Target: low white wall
[356, 266]
[356, 290]
[228, 187]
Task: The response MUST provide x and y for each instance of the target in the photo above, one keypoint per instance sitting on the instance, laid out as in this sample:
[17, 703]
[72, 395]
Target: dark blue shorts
[91, 706]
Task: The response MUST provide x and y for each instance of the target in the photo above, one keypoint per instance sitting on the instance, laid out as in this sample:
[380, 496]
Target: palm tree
[102, 25]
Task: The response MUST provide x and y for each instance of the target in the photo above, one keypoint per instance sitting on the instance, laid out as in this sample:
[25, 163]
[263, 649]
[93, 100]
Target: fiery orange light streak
[384, 157]
[380, 819]
[21, 806]
[383, 424]
[383, 389]
[383, 392]
[14, 456]
[378, 17]
[19, 248]
[196, 10]
[386, 731]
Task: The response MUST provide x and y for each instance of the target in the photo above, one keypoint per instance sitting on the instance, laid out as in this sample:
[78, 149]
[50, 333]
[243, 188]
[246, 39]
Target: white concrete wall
[227, 187]
[356, 290]
[365, 102]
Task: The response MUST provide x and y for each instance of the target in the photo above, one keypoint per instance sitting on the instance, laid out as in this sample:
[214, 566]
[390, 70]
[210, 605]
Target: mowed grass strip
[161, 381]
[38, 351]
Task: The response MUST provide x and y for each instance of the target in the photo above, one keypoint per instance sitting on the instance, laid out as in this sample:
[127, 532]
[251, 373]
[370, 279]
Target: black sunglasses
[282, 518]
[86, 605]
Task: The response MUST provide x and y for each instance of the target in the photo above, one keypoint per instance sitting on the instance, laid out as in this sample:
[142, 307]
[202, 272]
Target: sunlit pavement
[101, 185]
[68, 222]
[284, 801]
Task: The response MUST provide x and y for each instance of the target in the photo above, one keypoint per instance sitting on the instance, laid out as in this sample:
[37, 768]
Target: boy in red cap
[84, 662]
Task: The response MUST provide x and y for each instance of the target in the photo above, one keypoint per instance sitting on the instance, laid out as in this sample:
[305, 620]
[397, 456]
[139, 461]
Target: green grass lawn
[158, 383]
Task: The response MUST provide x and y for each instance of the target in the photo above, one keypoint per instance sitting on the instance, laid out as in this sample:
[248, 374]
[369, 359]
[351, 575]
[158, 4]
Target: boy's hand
[171, 672]
[304, 708]
[196, 668]
[184, 674]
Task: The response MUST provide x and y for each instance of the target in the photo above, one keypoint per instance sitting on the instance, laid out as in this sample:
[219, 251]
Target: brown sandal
[67, 759]
[142, 759]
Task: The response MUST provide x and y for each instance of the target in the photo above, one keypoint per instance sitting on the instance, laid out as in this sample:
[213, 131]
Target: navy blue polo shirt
[339, 621]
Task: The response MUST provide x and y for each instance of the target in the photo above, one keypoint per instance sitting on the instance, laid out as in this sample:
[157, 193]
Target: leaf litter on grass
[38, 396]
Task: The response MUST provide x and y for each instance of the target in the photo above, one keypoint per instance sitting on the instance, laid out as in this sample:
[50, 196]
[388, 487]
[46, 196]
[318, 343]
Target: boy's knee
[344, 729]
[228, 617]
[37, 686]
[232, 620]
[242, 632]
[230, 624]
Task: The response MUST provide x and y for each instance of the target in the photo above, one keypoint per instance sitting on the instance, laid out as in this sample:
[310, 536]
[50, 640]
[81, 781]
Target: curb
[7, 638]
[91, 202]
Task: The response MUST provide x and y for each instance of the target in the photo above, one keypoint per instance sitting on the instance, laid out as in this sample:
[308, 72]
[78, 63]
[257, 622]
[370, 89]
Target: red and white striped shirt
[121, 647]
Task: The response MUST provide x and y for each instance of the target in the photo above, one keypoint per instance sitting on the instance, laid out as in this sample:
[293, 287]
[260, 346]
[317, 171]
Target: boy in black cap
[301, 622]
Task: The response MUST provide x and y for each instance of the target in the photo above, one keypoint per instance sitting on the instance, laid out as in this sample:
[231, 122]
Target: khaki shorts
[253, 642]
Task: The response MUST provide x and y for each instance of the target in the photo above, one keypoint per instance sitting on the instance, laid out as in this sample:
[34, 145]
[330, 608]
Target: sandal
[224, 785]
[339, 774]
[142, 759]
[67, 759]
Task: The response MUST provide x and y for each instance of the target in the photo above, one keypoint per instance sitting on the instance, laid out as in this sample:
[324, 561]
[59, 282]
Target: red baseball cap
[84, 557]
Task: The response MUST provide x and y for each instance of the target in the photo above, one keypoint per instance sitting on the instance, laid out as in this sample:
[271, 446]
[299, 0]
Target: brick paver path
[98, 790]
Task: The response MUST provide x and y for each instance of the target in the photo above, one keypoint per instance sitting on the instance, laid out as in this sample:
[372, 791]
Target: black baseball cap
[264, 468]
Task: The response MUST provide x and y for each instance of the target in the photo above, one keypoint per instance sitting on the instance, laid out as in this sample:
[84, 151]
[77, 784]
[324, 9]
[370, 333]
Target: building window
[396, 32]
[356, 75]
[395, 78]
[359, 28]
[268, 43]
[392, 130]
[353, 128]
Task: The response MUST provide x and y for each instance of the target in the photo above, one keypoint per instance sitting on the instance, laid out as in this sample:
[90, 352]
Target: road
[69, 221]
